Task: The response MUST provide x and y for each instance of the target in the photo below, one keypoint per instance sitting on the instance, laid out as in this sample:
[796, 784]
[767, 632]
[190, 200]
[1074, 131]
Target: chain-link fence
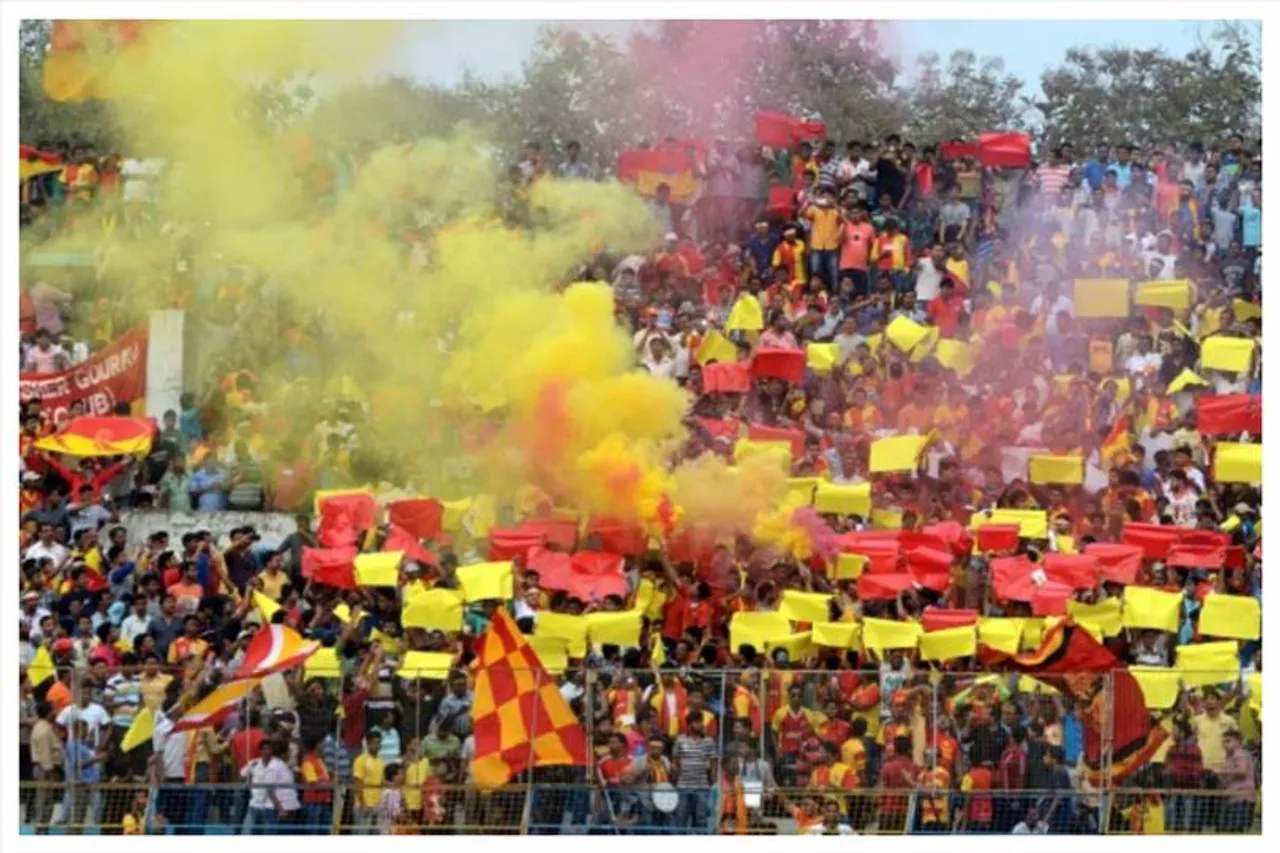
[373, 749]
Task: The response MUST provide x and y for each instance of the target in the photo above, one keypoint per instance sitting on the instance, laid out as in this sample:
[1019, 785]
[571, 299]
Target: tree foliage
[707, 78]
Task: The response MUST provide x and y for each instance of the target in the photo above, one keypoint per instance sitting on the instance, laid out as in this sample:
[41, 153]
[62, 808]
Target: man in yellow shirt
[824, 237]
[1210, 725]
[368, 773]
[417, 770]
[273, 577]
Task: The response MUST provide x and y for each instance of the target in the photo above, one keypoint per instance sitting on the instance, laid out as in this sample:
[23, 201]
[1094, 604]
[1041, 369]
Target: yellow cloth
[805, 606]
[897, 453]
[435, 609]
[757, 629]
[884, 634]
[565, 626]
[1145, 607]
[886, 519]
[40, 669]
[265, 605]
[1186, 379]
[552, 653]
[1004, 634]
[1106, 617]
[843, 499]
[322, 664]
[1238, 617]
[801, 489]
[746, 315]
[1245, 310]
[836, 635]
[905, 333]
[1175, 295]
[955, 355]
[1209, 663]
[716, 347]
[140, 730]
[1231, 355]
[1101, 297]
[1068, 470]
[617, 629]
[381, 569]
[1160, 685]
[486, 581]
[1237, 463]
[433, 666]
[849, 566]
[822, 358]
[780, 450]
[1032, 523]
[949, 643]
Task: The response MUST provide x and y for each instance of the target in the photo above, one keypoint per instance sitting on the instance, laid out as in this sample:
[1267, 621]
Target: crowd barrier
[937, 710]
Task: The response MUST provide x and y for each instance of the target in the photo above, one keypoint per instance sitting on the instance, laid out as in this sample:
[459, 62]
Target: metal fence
[783, 747]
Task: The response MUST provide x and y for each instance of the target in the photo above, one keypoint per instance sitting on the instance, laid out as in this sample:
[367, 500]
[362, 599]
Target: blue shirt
[1250, 226]
[1094, 172]
[761, 250]
[1124, 174]
[1072, 739]
[212, 500]
[79, 752]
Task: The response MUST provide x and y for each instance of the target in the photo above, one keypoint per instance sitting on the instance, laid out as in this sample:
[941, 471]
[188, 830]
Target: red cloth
[343, 517]
[618, 538]
[513, 543]
[953, 535]
[784, 364]
[726, 378]
[722, 428]
[780, 130]
[782, 201]
[399, 539]
[334, 567]
[883, 587]
[1004, 150]
[1228, 414]
[930, 568]
[562, 532]
[420, 516]
[940, 618]
[957, 150]
[1077, 571]
[883, 555]
[1119, 563]
[1155, 540]
[1011, 578]
[756, 432]
[1050, 599]
[1196, 557]
[998, 537]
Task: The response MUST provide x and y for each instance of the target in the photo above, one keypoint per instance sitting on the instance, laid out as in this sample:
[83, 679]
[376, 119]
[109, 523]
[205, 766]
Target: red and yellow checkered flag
[519, 717]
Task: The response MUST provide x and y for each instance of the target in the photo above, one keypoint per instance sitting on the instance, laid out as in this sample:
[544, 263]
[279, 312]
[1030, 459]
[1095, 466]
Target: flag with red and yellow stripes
[519, 717]
[1117, 444]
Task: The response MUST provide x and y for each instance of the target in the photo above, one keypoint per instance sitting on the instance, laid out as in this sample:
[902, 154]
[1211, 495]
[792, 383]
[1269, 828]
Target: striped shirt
[694, 755]
[123, 696]
[1053, 179]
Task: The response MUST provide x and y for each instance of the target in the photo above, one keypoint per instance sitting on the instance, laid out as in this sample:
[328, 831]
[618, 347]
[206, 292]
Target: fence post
[69, 792]
[336, 799]
[590, 687]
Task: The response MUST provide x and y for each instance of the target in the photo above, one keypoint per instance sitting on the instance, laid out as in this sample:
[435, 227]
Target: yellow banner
[805, 606]
[885, 634]
[835, 635]
[1231, 355]
[486, 581]
[1237, 617]
[949, 643]
[843, 499]
[1237, 463]
[1209, 663]
[1145, 607]
[433, 610]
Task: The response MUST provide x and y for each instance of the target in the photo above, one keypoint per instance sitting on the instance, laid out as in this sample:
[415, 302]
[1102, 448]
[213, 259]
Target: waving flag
[217, 706]
[676, 166]
[519, 717]
[1229, 414]
[344, 516]
[421, 517]
[334, 567]
[275, 648]
[102, 436]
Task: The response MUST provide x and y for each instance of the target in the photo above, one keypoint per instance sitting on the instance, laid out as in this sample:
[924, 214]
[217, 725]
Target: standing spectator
[1240, 783]
[271, 790]
[695, 767]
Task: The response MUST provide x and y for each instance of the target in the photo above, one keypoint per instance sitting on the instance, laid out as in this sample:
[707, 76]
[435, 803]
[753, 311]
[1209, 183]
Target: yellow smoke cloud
[467, 346]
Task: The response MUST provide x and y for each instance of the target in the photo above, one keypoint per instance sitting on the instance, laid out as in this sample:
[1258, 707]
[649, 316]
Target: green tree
[968, 96]
[1149, 97]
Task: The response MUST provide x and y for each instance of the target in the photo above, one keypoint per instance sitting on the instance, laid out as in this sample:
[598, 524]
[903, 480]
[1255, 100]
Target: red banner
[115, 374]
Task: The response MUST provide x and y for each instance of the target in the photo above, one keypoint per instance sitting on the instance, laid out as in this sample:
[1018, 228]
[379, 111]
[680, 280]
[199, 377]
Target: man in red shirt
[944, 309]
[898, 772]
[1011, 777]
[856, 236]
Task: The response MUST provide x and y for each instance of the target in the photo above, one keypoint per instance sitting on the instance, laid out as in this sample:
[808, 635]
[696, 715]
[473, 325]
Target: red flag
[399, 539]
[1077, 571]
[952, 535]
[1004, 150]
[1211, 538]
[756, 432]
[883, 587]
[334, 567]
[725, 378]
[596, 575]
[1117, 441]
[1229, 414]
[344, 517]
[1196, 557]
[930, 568]
[720, 428]
[1119, 563]
[940, 618]
[274, 648]
[1011, 578]
[995, 538]
[782, 201]
[618, 538]
[1050, 599]
[780, 130]
[884, 555]
[958, 150]
[784, 364]
[1155, 540]
[420, 516]
[513, 543]
[561, 532]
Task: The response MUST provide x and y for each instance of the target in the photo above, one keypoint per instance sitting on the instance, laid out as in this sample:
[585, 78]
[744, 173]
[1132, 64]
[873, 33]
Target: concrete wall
[272, 526]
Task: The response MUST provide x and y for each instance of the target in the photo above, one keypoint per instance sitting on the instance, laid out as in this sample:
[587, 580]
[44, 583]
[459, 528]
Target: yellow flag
[835, 635]
[1245, 310]
[381, 569]
[322, 664]
[805, 606]
[1101, 298]
[266, 606]
[781, 450]
[757, 629]
[433, 610]
[565, 626]
[1231, 355]
[843, 499]
[1145, 607]
[883, 634]
[1033, 628]
[822, 358]
[801, 489]
[1186, 379]
[955, 355]
[1238, 617]
[905, 333]
[949, 643]
[614, 628]
[1175, 295]
[1004, 634]
[140, 730]
[797, 646]
[431, 666]
[1032, 523]
[1160, 686]
[552, 653]
[486, 581]
[657, 651]
[41, 668]
[1106, 616]
[926, 345]
[453, 512]
[886, 519]
[1209, 663]
[716, 347]
[849, 566]
[746, 315]
[897, 453]
[1255, 691]
[1067, 470]
[1237, 463]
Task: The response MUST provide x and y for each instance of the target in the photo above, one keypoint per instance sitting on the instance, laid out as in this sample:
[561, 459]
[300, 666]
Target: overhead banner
[112, 375]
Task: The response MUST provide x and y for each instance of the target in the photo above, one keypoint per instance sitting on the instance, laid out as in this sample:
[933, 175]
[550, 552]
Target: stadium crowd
[780, 250]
